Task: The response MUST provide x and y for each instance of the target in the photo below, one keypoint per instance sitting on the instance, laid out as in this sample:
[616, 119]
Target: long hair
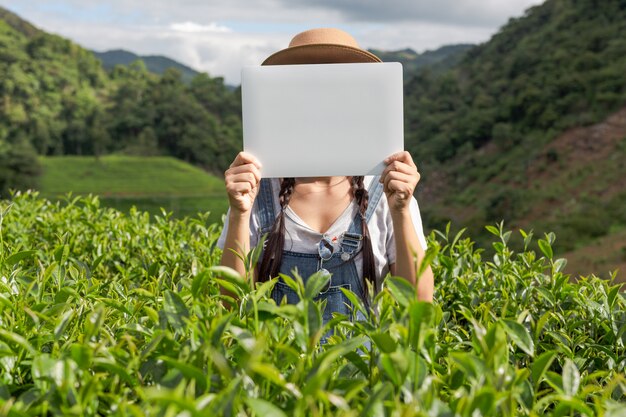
[273, 252]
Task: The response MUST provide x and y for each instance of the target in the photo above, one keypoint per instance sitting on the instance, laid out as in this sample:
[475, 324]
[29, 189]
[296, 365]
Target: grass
[148, 183]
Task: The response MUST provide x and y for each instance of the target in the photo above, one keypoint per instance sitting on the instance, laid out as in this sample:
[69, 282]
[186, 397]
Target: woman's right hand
[242, 182]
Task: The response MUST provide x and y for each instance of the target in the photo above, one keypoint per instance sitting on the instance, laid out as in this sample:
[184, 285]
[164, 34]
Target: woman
[354, 229]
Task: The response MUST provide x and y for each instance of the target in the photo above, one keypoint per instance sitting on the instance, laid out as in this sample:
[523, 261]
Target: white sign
[324, 119]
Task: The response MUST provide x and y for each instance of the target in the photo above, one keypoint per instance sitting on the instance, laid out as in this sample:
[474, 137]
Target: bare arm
[237, 240]
[242, 185]
[400, 179]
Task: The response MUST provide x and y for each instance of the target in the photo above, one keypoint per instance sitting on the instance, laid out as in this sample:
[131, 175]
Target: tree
[19, 167]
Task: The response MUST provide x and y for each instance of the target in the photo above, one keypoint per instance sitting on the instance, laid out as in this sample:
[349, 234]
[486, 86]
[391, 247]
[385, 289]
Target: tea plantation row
[104, 313]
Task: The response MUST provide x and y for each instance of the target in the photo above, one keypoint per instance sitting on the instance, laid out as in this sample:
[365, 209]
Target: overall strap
[353, 237]
[375, 192]
[265, 207]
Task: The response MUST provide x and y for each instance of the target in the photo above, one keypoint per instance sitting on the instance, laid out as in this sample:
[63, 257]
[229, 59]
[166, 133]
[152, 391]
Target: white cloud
[221, 37]
[192, 27]
[218, 52]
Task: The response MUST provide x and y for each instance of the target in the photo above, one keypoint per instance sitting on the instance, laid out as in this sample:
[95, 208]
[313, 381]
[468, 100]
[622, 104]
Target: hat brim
[320, 54]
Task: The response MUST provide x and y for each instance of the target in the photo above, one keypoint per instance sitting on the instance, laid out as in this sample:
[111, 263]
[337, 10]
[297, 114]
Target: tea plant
[109, 314]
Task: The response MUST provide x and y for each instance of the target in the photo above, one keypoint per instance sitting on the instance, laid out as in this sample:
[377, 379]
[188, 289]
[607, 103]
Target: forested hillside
[440, 59]
[487, 132]
[56, 99]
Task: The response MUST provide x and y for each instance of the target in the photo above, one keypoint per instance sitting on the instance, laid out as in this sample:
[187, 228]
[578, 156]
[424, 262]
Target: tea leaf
[199, 283]
[520, 335]
[493, 230]
[484, 401]
[264, 408]
[175, 310]
[389, 367]
[188, 370]
[545, 247]
[401, 289]
[315, 284]
[565, 406]
[540, 365]
[571, 377]
[114, 369]
[231, 276]
[62, 324]
[421, 314]
[355, 300]
[559, 264]
[384, 342]
[16, 257]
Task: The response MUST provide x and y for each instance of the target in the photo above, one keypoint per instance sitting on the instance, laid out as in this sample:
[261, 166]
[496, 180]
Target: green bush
[19, 167]
[111, 314]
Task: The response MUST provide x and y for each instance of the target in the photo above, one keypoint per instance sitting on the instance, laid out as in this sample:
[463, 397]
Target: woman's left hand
[400, 179]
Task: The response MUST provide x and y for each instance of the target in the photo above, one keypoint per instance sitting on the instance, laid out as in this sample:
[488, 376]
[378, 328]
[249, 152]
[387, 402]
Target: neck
[318, 184]
[321, 181]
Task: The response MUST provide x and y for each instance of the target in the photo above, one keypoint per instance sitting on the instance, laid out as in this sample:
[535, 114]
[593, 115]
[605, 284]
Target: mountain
[439, 59]
[154, 63]
[493, 135]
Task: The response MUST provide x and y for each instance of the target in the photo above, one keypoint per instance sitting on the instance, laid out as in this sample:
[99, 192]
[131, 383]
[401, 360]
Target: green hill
[18, 24]
[440, 59]
[528, 127]
[154, 63]
[146, 182]
[57, 99]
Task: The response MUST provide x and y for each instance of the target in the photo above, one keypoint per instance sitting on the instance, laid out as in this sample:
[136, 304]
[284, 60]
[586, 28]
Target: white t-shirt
[299, 237]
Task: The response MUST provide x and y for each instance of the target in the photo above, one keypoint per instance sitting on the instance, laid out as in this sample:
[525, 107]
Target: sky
[220, 37]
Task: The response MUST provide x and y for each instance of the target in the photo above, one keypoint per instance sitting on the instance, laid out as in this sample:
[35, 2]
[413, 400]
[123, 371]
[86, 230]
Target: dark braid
[273, 252]
[369, 266]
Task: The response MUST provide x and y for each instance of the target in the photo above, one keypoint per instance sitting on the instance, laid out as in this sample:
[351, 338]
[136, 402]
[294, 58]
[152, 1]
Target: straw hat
[321, 46]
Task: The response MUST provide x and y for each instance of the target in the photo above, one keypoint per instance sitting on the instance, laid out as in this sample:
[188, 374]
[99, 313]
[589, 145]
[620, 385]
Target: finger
[403, 156]
[400, 167]
[246, 158]
[400, 177]
[400, 189]
[247, 168]
[244, 177]
[238, 188]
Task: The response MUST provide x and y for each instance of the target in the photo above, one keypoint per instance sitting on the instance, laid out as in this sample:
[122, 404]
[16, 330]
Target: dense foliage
[438, 60]
[484, 126]
[106, 313]
[56, 99]
[560, 65]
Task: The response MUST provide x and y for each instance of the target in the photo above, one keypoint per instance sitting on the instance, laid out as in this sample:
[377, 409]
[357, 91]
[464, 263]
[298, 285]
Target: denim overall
[341, 265]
